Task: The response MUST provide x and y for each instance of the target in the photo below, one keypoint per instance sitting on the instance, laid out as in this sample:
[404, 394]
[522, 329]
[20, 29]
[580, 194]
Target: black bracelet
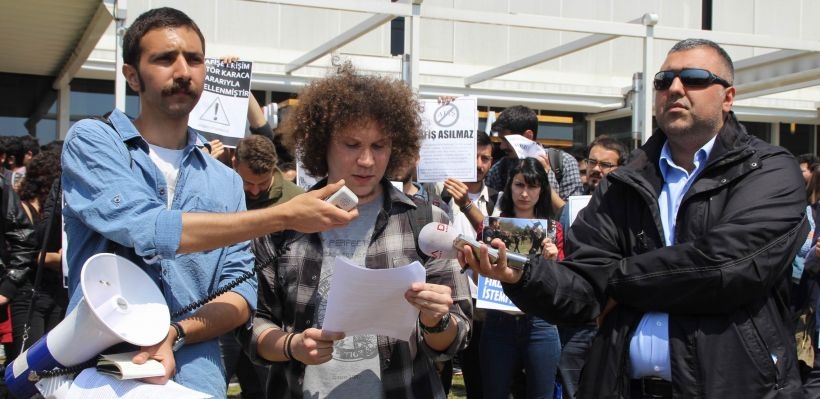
[467, 207]
[288, 347]
[285, 346]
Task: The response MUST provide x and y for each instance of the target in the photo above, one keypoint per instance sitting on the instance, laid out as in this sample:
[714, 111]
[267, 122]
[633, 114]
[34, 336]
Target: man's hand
[217, 148]
[498, 271]
[544, 160]
[162, 353]
[310, 213]
[458, 191]
[432, 300]
[314, 346]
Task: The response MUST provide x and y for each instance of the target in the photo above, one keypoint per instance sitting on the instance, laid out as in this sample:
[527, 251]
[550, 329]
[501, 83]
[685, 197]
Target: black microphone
[437, 241]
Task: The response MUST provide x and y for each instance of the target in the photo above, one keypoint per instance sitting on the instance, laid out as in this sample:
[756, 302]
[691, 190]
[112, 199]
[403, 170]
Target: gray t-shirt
[354, 371]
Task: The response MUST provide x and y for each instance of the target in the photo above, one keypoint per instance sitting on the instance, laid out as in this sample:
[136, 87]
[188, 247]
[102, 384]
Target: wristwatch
[440, 327]
[179, 342]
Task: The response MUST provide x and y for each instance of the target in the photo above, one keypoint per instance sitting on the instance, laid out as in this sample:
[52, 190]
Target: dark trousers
[471, 363]
[575, 343]
[47, 311]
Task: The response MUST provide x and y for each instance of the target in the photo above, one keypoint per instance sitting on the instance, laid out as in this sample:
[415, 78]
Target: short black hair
[482, 139]
[164, 17]
[809, 159]
[689, 44]
[612, 145]
[517, 119]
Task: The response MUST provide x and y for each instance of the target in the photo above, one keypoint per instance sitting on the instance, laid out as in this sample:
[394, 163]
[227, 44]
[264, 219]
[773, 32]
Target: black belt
[651, 387]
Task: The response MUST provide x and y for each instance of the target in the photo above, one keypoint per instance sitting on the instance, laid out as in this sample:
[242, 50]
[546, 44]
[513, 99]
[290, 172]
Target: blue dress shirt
[116, 200]
[649, 346]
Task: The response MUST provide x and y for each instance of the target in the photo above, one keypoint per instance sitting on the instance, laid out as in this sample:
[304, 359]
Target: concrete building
[579, 62]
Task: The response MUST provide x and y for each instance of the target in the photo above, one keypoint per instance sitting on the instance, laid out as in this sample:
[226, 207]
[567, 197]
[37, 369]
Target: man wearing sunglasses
[684, 253]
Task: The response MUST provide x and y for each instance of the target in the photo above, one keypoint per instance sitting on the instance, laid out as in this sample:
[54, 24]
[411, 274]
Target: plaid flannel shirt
[287, 300]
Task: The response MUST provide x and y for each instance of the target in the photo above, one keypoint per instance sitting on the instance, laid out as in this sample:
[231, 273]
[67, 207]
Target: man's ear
[132, 77]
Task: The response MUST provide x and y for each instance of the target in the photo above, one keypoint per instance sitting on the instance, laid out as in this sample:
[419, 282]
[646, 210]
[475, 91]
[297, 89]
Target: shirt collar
[701, 155]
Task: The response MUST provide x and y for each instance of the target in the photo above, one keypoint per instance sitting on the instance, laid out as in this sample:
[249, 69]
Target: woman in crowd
[36, 309]
[510, 342]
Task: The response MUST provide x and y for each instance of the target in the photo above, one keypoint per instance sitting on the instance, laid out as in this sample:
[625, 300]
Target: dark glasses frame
[591, 163]
[689, 77]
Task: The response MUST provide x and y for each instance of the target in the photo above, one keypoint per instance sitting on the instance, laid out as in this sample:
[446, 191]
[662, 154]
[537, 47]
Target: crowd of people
[684, 276]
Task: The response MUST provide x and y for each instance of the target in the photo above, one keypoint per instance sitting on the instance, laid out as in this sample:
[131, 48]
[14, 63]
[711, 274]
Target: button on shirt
[116, 201]
[649, 346]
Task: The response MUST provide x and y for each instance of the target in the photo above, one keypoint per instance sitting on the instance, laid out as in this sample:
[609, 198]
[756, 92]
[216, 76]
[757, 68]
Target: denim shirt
[116, 201]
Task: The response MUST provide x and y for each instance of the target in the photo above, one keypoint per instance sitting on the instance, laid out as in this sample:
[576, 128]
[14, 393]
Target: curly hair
[534, 175]
[40, 175]
[348, 99]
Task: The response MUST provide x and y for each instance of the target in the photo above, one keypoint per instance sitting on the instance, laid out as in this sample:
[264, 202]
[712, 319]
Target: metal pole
[120, 10]
[648, 53]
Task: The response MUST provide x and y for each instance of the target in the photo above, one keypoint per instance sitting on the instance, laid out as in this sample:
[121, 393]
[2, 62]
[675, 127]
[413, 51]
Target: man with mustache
[690, 244]
[605, 155]
[141, 188]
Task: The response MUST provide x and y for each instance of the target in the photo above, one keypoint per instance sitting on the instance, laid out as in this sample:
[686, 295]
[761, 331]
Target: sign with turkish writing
[222, 110]
[449, 145]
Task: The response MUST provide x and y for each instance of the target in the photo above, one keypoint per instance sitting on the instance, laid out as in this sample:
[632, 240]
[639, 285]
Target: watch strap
[180, 339]
[438, 328]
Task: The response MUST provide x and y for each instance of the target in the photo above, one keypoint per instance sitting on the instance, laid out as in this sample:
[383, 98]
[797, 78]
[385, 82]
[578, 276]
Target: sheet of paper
[371, 301]
[222, 110]
[576, 203]
[90, 384]
[449, 145]
[524, 147]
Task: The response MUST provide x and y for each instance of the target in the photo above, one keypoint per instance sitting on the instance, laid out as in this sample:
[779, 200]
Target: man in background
[521, 120]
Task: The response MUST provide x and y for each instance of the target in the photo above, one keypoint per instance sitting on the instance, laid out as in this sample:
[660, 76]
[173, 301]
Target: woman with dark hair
[38, 306]
[510, 342]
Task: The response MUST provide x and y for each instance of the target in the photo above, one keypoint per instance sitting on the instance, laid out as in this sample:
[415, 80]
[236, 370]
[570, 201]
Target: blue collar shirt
[649, 346]
[116, 200]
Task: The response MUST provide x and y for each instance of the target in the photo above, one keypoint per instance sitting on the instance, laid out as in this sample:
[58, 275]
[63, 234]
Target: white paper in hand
[371, 301]
[524, 147]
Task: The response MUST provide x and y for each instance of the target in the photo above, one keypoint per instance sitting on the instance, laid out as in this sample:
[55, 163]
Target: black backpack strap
[556, 163]
[419, 217]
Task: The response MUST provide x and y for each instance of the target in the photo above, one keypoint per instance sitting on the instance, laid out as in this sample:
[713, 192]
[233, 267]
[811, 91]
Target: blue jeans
[510, 343]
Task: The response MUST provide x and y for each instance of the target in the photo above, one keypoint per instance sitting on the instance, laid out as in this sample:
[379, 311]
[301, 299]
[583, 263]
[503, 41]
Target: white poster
[449, 145]
[222, 111]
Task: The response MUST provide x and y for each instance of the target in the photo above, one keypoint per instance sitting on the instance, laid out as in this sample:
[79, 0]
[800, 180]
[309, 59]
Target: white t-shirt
[355, 369]
[168, 162]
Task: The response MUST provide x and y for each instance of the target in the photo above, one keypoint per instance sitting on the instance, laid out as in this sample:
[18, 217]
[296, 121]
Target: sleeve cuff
[168, 233]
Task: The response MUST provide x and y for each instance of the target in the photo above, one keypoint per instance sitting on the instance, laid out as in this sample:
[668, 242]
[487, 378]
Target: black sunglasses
[690, 77]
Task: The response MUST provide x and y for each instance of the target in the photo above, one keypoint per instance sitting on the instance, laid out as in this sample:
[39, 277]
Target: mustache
[183, 86]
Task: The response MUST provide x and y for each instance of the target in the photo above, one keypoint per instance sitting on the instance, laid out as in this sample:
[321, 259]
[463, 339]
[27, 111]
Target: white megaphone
[120, 303]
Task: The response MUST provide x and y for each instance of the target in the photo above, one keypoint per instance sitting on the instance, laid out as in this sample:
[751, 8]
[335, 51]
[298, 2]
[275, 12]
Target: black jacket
[724, 283]
[19, 247]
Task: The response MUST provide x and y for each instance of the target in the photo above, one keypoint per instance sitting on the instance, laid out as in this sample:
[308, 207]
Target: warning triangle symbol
[216, 113]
